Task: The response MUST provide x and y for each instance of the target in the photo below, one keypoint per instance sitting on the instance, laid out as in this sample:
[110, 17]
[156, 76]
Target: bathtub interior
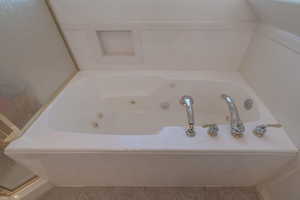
[141, 104]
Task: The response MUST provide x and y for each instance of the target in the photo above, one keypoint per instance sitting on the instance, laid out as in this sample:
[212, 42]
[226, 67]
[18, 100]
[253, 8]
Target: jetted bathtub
[113, 128]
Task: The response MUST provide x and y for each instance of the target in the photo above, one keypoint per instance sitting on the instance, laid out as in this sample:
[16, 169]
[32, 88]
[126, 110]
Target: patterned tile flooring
[151, 193]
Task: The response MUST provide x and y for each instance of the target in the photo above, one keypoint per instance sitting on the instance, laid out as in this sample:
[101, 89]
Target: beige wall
[272, 68]
[163, 35]
[280, 13]
[33, 63]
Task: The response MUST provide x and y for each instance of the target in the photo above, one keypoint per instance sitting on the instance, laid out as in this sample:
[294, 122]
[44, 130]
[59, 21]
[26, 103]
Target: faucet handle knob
[213, 129]
[238, 131]
[261, 130]
[274, 125]
[190, 132]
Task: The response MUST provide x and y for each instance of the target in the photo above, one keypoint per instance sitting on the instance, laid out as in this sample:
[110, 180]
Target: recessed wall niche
[116, 42]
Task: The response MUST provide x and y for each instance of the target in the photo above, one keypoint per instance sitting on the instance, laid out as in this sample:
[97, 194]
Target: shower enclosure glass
[34, 63]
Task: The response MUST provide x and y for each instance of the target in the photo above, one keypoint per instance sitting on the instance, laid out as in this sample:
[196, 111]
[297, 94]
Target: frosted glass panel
[34, 63]
[18, 102]
[33, 59]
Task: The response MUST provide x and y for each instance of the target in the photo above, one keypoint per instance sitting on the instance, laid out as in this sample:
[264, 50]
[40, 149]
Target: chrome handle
[208, 125]
[190, 132]
[274, 125]
[261, 130]
[213, 129]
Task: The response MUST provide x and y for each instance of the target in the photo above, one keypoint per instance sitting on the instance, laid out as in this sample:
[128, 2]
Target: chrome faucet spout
[236, 124]
[187, 101]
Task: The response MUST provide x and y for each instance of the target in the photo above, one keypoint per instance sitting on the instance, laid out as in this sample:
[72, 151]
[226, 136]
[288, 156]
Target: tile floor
[151, 193]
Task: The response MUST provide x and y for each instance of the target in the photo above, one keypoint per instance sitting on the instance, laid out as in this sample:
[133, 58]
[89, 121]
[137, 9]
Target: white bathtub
[143, 103]
[127, 129]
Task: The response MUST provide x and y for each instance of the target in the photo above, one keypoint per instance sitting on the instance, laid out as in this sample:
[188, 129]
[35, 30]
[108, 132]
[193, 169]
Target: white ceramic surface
[143, 103]
[169, 157]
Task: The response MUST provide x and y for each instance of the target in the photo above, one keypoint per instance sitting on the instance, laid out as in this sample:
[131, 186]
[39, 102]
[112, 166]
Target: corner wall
[272, 68]
[156, 35]
[283, 14]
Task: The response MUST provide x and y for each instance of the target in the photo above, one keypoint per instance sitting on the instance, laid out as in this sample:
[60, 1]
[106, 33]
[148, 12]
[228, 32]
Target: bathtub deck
[148, 193]
[41, 137]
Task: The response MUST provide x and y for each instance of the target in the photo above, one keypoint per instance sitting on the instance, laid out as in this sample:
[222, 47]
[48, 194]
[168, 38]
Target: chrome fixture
[212, 129]
[236, 125]
[261, 130]
[187, 101]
